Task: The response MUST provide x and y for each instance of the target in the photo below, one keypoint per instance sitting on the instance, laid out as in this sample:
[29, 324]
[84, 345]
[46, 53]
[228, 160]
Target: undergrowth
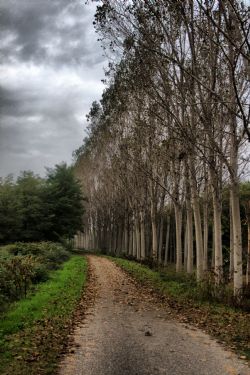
[34, 330]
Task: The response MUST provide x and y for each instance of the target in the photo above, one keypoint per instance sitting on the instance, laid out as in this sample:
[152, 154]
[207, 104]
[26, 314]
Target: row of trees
[168, 144]
[35, 209]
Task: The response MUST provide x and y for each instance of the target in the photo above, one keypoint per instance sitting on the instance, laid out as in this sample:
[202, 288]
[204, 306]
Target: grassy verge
[34, 330]
[230, 326]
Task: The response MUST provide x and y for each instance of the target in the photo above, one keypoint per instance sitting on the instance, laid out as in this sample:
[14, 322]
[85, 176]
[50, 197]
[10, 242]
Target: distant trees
[170, 134]
[34, 209]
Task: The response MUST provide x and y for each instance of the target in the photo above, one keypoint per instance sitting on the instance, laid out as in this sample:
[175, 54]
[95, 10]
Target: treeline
[36, 209]
[169, 142]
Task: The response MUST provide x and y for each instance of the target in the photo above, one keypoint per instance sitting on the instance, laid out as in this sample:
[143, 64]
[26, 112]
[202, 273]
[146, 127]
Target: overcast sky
[51, 67]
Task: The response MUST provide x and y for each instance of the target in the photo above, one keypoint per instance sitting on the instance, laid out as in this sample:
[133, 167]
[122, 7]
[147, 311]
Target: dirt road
[127, 333]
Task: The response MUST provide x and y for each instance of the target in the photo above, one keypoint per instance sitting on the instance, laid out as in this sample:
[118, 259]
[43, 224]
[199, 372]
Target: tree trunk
[154, 229]
[190, 246]
[197, 223]
[167, 241]
[185, 247]
[138, 238]
[126, 237]
[178, 225]
[248, 247]
[237, 240]
[160, 240]
[130, 241]
[231, 266]
[218, 262]
[205, 233]
[143, 244]
[134, 242]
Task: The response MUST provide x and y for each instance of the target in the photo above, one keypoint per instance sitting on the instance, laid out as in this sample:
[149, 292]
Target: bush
[16, 275]
[41, 273]
[7, 288]
[52, 254]
[24, 264]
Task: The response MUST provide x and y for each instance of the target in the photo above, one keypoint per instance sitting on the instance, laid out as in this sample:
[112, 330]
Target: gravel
[127, 333]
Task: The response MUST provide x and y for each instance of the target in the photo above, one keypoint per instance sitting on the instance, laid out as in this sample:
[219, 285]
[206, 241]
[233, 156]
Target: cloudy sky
[51, 67]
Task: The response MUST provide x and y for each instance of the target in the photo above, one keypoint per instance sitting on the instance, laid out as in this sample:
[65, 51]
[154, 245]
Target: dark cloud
[50, 72]
[55, 32]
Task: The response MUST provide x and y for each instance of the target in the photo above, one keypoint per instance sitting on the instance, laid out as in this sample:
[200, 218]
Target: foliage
[52, 254]
[63, 203]
[35, 329]
[10, 211]
[19, 271]
[165, 138]
[35, 209]
[24, 264]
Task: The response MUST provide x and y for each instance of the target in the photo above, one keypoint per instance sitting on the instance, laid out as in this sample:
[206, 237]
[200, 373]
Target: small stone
[243, 357]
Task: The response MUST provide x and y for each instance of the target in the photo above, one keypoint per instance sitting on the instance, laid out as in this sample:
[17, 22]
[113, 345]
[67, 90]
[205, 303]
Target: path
[127, 333]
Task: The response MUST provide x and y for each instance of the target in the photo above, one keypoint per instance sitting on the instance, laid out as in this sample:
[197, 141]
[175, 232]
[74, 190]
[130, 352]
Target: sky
[51, 67]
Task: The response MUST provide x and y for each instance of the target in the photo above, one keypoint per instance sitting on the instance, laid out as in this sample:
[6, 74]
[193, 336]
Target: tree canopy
[33, 209]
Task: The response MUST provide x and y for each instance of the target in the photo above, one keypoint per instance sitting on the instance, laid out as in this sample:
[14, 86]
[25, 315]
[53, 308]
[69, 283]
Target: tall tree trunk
[185, 246]
[248, 244]
[218, 261]
[235, 202]
[197, 223]
[238, 280]
[134, 242]
[142, 227]
[130, 240]
[138, 238]
[166, 255]
[231, 266]
[178, 227]
[160, 240]
[190, 250]
[126, 236]
[154, 226]
[205, 231]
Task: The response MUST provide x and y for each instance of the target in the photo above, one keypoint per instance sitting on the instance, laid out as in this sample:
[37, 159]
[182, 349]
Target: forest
[136, 258]
[165, 165]
[40, 209]
[38, 218]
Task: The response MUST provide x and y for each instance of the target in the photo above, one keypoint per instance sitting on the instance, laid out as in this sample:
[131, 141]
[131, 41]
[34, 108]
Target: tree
[63, 203]
[29, 190]
[10, 211]
[169, 131]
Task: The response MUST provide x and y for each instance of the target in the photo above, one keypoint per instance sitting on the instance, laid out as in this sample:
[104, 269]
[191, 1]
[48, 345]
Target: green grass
[34, 330]
[192, 304]
[174, 285]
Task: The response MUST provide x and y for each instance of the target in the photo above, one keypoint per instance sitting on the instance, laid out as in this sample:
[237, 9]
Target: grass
[175, 285]
[190, 304]
[34, 330]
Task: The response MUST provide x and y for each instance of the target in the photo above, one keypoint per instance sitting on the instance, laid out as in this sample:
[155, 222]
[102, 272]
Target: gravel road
[127, 333]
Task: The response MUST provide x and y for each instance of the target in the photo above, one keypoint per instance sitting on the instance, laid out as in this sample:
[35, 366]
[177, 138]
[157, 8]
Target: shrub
[52, 254]
[17, 273]
[41, 273]
[23, 264]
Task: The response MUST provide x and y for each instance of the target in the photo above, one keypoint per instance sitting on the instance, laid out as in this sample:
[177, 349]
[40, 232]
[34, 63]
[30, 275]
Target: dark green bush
[7, 287]
[23, 264]
[52, 254]
[41, 273]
